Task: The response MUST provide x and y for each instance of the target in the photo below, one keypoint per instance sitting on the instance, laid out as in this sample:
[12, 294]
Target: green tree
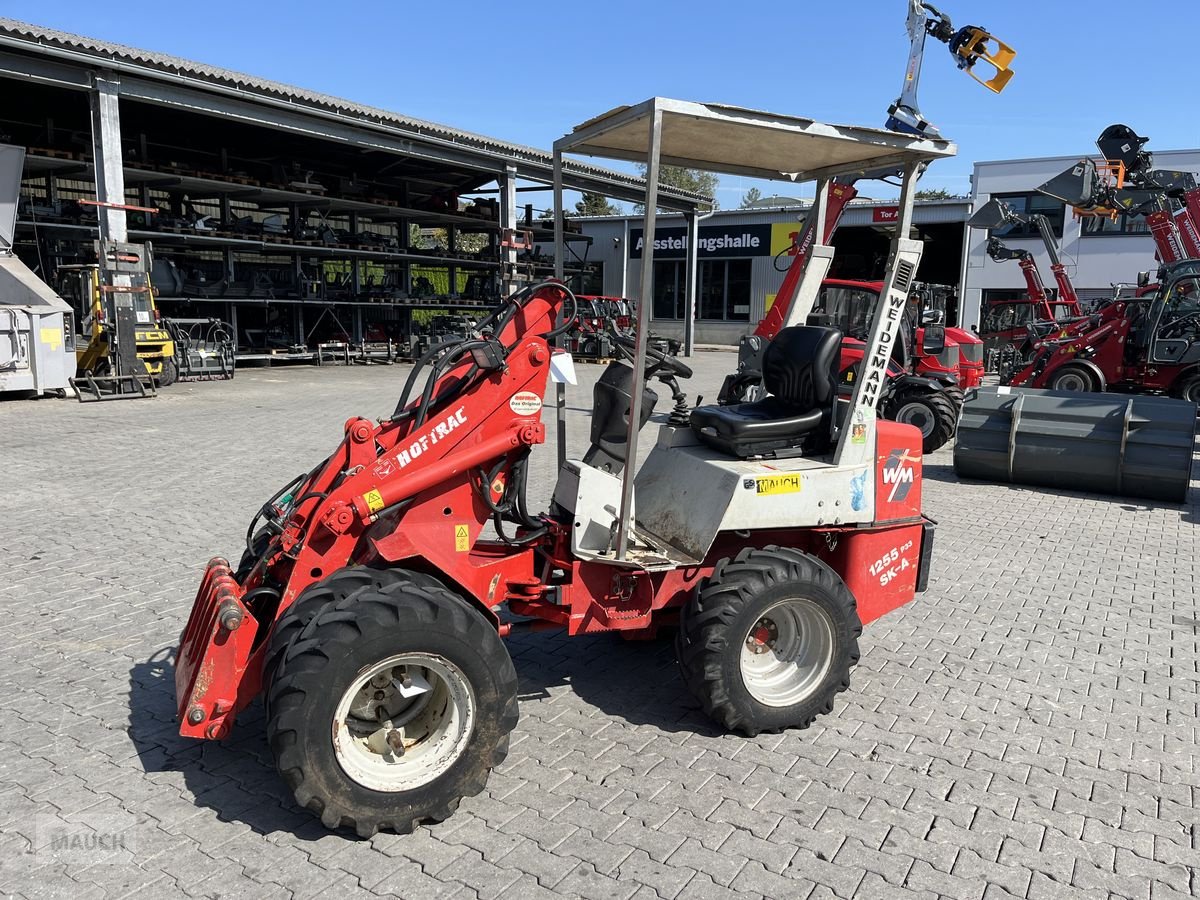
[596, 205]
[937, 194]
[751, 197]
[694, 180]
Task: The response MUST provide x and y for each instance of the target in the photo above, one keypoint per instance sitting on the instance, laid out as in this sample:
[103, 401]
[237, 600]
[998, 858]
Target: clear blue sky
[529, 72]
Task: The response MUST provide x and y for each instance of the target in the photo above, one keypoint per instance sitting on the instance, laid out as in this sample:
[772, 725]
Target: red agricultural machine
[370, 605]
[1147, 343]
[931, 363]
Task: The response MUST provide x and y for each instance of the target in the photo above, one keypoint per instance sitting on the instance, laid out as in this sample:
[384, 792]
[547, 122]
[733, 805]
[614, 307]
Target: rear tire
[169, 374]
[1073, 378]
[933, 413]
[768, 641]
[392, 706]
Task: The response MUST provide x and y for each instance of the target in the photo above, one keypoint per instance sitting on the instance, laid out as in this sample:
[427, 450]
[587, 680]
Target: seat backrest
[800, 366]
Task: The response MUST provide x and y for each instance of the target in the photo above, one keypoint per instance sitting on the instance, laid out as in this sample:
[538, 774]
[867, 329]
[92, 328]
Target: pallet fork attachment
[91, 388]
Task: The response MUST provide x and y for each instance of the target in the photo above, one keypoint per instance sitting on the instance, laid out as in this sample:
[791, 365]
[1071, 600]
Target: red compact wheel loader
[370, 606]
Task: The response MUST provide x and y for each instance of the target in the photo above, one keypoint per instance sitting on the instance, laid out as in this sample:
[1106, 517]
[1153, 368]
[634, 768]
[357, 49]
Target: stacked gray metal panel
[1129, 445]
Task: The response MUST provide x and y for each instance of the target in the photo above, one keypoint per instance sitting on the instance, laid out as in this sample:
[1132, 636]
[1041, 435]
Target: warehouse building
[298, 217]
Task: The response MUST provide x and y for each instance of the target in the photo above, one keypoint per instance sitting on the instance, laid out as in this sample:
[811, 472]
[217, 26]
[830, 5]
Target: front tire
[934, 414]
[769, 640]
[390, 707]
[1073, 378]
[1189, 389]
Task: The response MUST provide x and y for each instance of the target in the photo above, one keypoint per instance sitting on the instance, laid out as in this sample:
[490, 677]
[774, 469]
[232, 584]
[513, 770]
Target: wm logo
[899, 474]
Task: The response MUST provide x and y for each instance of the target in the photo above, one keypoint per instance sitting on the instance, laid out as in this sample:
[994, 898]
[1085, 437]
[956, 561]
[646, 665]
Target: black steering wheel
[671, 365]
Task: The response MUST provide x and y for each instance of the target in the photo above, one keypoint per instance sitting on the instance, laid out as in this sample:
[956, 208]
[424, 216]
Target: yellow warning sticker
[462, 538]
[374, 500]
[51, 336]
[777, 484]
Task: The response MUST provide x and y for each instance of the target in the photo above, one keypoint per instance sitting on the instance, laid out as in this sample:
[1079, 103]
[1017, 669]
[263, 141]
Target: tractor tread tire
[945, 413]
[329, 654]
[709, 632]
[334, 588]
[957, 395]
[169, 374]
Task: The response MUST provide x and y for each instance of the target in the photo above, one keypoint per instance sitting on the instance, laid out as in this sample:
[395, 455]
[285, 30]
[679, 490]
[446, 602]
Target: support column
[690, 266]
[508, 221]
[625, 518]
[106, 151]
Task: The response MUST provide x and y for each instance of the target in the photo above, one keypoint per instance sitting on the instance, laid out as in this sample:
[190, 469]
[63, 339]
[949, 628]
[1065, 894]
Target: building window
[1124, 223]
[722, 290]
[1029, 204]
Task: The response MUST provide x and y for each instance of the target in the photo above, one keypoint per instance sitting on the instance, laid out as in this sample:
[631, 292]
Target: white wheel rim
[918, 415]
[416, 703]
[787, 652]
[1071, 381]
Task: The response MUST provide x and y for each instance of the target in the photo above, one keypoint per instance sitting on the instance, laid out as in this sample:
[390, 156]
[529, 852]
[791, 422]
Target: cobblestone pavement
[1026, 728]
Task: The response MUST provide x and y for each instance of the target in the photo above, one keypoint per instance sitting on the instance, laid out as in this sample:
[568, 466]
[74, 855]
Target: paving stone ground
[1026, 728]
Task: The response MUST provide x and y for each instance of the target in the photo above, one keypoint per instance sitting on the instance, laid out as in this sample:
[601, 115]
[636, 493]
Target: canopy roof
[720, 138]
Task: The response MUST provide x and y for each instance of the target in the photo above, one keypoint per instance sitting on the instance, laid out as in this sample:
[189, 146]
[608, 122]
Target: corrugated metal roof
[31, 37]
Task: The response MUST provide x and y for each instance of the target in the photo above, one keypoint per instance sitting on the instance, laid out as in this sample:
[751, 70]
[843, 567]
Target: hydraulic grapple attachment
[973, 44]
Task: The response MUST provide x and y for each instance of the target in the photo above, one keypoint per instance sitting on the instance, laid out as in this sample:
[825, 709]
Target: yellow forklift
[80, 285]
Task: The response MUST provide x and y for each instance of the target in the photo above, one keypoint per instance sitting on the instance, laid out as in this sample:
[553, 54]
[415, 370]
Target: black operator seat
[800, 372]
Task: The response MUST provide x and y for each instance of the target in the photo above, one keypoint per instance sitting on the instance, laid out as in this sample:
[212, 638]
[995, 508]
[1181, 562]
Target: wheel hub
[763, 636]
[403, 722]
[787, 652]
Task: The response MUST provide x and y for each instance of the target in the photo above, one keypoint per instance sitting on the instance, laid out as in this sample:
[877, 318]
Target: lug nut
[195, 715]
[379, 695]
[396, 742]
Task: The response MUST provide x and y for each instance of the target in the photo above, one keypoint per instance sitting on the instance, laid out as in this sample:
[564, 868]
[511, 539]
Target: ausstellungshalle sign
[715, 241]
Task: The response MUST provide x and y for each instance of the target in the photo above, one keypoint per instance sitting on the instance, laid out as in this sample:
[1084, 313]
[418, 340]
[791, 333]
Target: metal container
[37, 349]
[1128, 445]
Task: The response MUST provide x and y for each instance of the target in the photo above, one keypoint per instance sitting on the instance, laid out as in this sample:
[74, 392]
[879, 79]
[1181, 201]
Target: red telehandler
[1147, 344]
[924, 375]
[926, 400]
[1012, 341]
[370, 606]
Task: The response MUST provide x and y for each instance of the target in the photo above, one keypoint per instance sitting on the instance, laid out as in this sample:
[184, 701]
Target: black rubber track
[356, 633]
[945, 415]
[718, 619]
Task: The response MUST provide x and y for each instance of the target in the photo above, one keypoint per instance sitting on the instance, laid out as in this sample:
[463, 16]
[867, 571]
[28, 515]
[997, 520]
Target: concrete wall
[1094, 262]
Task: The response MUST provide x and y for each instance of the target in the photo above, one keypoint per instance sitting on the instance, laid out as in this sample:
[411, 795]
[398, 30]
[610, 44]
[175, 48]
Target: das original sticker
[525, 403]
